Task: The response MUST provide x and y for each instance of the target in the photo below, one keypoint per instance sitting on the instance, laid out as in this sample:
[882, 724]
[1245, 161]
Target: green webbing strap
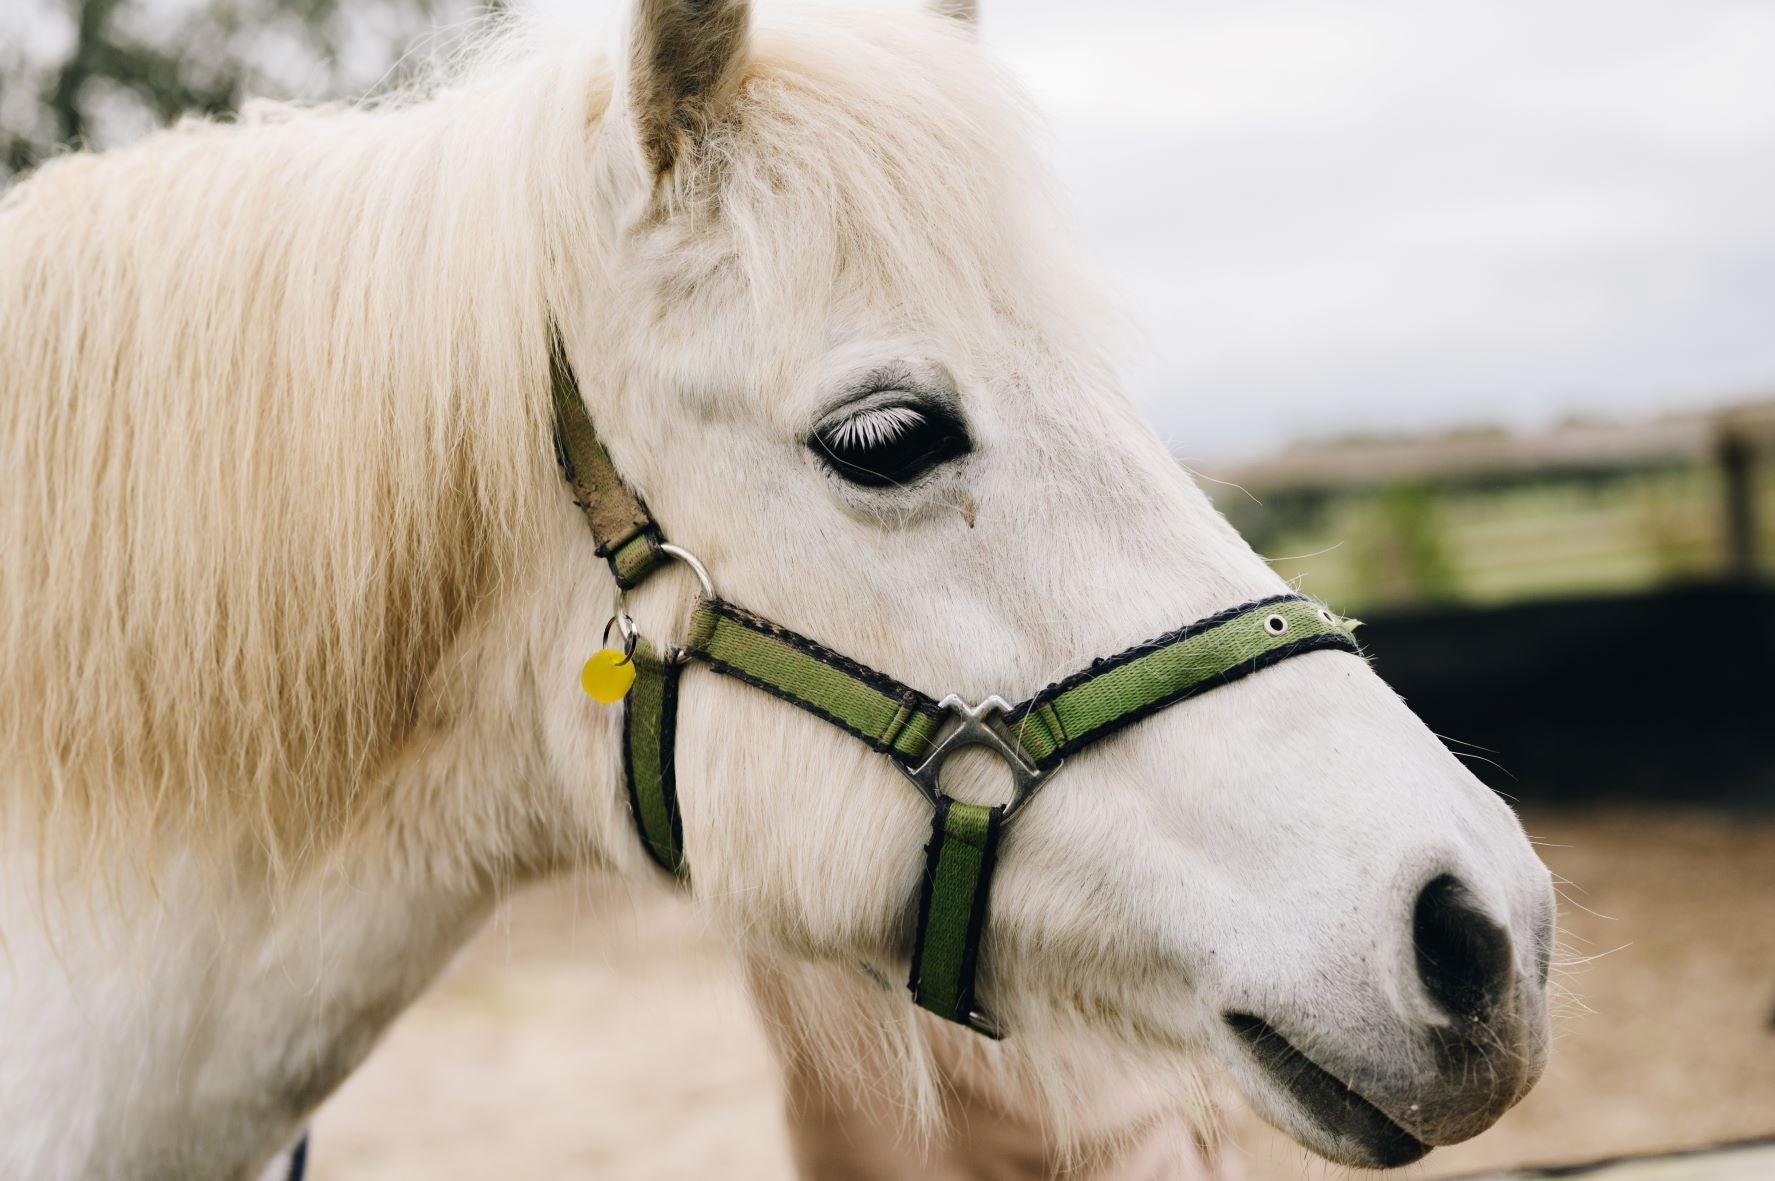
[905, 724]
[901, 722]
[649, 718]
[1122, 689]
[888, 716]
[952, 910]
[626, 533]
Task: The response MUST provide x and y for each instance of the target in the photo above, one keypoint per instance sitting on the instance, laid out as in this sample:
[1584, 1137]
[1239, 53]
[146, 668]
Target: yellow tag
[607, 676]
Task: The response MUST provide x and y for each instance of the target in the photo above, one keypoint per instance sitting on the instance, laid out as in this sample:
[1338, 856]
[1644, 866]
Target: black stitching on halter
[869, 740]
[906, 695]
[1330, 642]
[1104, 664]
[927, 882]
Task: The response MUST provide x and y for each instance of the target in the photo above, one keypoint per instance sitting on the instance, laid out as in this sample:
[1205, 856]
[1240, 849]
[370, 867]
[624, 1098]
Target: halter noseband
[916, 732]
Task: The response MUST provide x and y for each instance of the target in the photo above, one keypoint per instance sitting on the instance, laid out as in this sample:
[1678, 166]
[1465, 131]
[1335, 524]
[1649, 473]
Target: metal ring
[673, 653]
[696, 566]
[625, 627]
[1276, 625]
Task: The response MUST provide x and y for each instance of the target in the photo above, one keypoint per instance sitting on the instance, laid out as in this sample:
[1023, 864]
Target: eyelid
[879, 398]
[924, 385]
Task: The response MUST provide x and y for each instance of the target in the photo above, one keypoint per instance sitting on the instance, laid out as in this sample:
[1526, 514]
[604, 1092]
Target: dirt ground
[573, 1041]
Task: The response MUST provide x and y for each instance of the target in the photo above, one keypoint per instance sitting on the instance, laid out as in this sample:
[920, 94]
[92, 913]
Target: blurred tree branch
[79, 73]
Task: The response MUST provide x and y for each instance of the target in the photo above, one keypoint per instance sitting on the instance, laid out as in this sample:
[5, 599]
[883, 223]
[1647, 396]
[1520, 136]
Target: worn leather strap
[627, 535]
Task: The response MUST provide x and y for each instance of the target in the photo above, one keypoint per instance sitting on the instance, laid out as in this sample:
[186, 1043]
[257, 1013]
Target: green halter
[914, 731]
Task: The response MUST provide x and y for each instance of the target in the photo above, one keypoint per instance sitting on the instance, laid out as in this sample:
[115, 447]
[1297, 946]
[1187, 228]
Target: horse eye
[891, 444]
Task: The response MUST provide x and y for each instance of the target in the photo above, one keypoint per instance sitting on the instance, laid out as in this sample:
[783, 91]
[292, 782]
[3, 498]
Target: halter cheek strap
[627, 535]
[913, 730]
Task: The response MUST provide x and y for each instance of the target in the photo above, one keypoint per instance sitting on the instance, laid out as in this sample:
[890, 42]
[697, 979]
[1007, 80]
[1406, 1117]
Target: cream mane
[273, 395]
[268, 439]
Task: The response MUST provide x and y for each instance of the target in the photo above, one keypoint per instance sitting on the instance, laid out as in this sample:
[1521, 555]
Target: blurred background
[1463, 315]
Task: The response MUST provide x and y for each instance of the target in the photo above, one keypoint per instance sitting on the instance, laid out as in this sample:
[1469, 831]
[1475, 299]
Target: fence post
[1737, 469]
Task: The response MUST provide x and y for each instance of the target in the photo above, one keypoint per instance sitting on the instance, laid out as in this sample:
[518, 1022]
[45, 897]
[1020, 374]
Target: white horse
[294, 600]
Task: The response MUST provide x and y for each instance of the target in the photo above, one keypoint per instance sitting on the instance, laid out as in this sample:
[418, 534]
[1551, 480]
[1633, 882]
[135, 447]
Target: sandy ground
[573, 1041]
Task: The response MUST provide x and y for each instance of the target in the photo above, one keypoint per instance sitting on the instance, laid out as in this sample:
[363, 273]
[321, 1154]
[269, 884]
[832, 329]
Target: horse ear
[965, 11]
[685, 59]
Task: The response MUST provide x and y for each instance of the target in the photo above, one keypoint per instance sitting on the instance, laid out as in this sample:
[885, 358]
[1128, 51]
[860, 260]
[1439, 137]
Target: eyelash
[891, 445]
[872, 428]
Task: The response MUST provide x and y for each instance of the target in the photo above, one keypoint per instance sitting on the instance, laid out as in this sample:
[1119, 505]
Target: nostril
[1463, 955]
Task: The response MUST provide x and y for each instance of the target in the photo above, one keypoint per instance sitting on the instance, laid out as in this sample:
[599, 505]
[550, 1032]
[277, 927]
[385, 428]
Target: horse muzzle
[1379, 1094]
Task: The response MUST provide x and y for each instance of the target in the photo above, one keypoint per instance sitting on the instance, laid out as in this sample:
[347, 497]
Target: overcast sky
[1412, 214]
[1332, 216]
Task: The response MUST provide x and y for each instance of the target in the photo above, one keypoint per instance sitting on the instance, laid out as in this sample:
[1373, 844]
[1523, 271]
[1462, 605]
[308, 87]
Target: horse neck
[184, 1021]
[162, 1031]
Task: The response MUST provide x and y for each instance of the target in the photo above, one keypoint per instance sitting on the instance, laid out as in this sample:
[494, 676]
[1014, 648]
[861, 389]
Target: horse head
[826, 322]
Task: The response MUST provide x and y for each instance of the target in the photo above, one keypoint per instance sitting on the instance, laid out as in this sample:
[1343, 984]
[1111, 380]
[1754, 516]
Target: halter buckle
[978, 725]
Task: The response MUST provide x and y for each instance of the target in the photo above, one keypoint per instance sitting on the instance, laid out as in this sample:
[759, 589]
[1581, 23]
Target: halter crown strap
[627, 535]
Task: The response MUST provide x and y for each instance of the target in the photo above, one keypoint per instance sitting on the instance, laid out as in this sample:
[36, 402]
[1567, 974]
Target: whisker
[1201, 475]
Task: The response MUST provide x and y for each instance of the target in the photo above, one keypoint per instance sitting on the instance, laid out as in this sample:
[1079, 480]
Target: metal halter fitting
[979, 725]
[625, 623]
[916, 732]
